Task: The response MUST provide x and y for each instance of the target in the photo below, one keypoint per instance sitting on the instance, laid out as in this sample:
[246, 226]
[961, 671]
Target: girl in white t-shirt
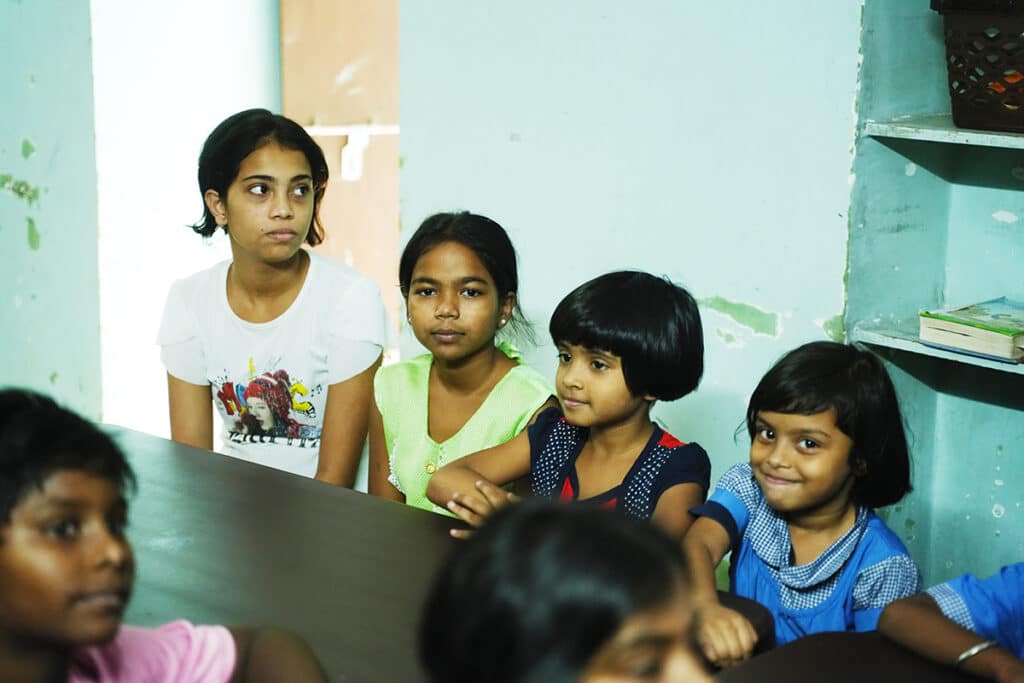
[282, 341]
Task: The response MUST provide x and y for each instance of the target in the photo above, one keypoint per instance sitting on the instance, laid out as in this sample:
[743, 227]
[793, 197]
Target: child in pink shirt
[66, 570]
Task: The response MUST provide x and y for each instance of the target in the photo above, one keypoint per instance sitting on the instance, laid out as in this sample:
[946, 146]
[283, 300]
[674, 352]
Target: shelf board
[940, 128]
[903, 337]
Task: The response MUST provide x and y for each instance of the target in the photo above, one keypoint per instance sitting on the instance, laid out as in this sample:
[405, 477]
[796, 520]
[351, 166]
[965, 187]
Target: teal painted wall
[937, 224]
[712, 142]
[49, 306]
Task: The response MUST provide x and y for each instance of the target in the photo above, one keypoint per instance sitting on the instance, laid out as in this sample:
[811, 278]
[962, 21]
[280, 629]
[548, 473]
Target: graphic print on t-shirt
[264, 410]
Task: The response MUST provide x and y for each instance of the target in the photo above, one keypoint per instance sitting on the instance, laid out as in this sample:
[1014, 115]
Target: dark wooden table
[219, 540]
[841, 658]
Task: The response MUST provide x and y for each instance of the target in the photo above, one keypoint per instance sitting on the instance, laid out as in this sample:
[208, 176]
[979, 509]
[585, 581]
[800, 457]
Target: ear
[507, 306]
[216, 207]
[650, 399]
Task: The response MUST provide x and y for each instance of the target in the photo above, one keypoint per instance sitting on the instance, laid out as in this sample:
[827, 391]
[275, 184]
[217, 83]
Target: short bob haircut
[38, 438]
[651, 323]
[536, 592]
[485, 238]
[238, 136]
[853, 382]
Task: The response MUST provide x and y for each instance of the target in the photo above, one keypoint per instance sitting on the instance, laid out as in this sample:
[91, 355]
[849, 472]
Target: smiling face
[651, 646]
[592, 389]
[802, 462]
[269, 206]
[66, 568]
[453, 304]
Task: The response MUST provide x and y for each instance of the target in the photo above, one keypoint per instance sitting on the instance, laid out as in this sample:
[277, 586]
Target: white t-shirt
[269, 380]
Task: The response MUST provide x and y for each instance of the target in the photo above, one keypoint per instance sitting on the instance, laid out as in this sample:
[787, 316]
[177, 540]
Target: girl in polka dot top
[625, 340]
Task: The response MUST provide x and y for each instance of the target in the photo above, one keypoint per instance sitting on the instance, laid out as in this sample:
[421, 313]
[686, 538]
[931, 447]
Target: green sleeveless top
[400, 391]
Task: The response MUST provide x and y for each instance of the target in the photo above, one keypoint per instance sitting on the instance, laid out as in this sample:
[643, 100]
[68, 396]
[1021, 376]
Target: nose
[114, 551]
[447, 305]
[777, 455]
[684, 665]
[281, 206]
[570, 375]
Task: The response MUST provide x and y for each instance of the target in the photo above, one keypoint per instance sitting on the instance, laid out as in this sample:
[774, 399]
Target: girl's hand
[1011, 672]
[726, 636]
[473, 510]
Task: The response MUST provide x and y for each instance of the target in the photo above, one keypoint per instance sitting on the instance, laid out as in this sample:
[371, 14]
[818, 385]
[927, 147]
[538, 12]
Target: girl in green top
[458, 276]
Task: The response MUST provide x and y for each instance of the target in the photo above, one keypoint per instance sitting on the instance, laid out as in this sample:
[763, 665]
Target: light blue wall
[106, 105]
[49, 305]
[193, 64]
[711, 142]
[938, 224]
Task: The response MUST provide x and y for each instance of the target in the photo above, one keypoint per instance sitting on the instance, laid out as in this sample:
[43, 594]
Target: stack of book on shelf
[990, 329]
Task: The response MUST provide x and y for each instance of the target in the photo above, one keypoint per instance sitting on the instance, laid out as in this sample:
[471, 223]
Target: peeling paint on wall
[1005, 217]
[20, 189]
[33, 235]
[725, 336]
[27, 148]
[53, 377]
[834, 328]
[757, 320]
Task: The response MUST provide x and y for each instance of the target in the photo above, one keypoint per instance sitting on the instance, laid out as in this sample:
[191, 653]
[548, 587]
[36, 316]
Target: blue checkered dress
[843, 589]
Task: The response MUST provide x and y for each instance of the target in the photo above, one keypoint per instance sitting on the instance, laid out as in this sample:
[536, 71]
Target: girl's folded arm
[672, 513]
[918, 624]
[191, 411]
[499, 465]
[346, 414]
[725, 636]
[267, 655]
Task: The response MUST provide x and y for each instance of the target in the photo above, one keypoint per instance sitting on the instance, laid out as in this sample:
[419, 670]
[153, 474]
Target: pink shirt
[177, 652]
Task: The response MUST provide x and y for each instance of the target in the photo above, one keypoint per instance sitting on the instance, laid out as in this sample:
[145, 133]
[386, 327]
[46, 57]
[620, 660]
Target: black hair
[650, 322]
[486, 239]
[824, 375]
[536, 592]
[238, 136]
[39, 437]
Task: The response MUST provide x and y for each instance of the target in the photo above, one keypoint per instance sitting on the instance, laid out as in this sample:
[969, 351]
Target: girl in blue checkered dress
[827, 447]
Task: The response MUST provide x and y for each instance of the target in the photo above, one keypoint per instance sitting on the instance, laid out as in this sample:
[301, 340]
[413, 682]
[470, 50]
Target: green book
[994, 327]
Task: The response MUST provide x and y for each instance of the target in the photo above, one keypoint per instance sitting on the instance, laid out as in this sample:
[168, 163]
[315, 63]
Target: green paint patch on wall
[834, 328]
[27, 148]
[53, 377]
[761, 322]
[20, 189]
[33, 235]
[727, 337]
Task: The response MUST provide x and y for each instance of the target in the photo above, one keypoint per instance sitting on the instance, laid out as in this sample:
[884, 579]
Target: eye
[765, 433]
[259, 189]
[598, 364]
[118, 524]
[472, 293]
[564, 357]
[302, 190]
[424, 291]
[64, 529]
[808, 444]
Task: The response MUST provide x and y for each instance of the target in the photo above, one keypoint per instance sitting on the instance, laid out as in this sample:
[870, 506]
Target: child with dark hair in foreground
[552, 593]
[625, 340]
[66, 570]
[973, 624]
